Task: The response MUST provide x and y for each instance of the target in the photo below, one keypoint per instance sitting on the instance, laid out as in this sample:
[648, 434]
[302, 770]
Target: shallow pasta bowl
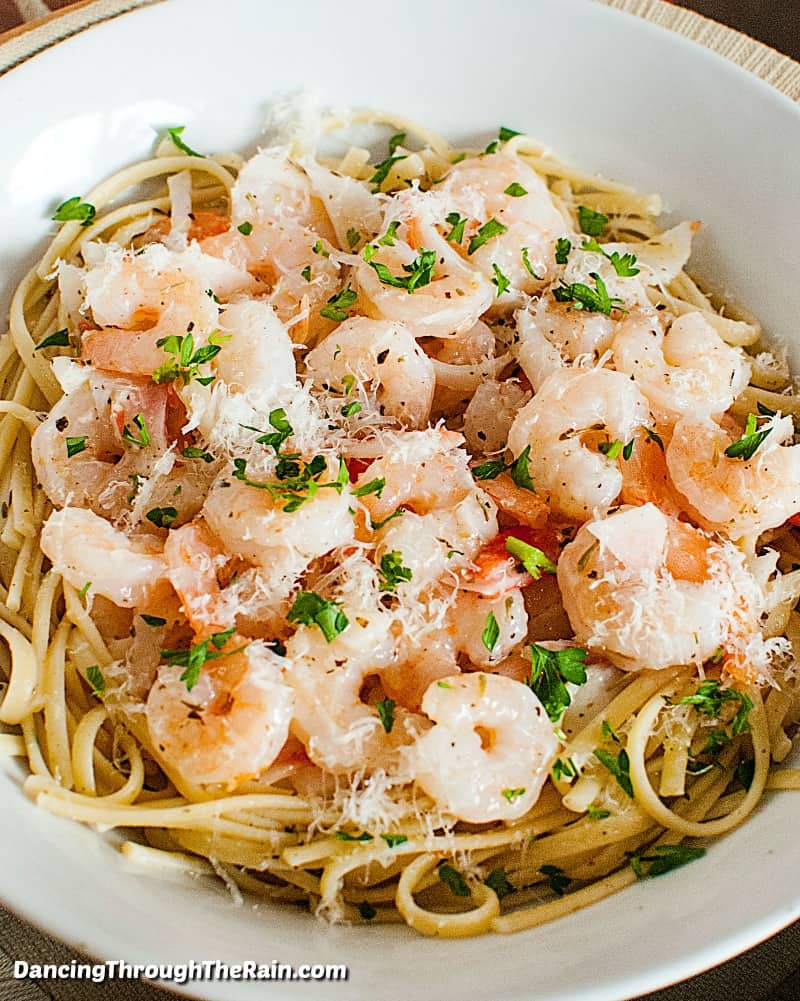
[610, 93]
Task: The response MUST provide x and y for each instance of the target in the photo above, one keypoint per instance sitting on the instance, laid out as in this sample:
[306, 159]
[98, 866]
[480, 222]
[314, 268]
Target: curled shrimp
[384, 356]
[738, 496]
[474, 615]
[253, 524]
[489, 753]
[423, 470]
[501, 188]
[451, 300]
[689, 371]
[103, 438]
[230, 726]
[336, 716]
[86, 549]
[495, 571]
[551, 334]
[574, 412]
[138, 299]
[648, 592]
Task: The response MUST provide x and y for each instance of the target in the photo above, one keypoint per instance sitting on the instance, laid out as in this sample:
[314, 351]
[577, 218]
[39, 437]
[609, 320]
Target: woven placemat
[770, 972]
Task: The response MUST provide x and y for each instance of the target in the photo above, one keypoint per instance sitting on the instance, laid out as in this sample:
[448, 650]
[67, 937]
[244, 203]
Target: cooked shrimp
[490, 414]
[737, 496]
[455, 294]
[423, 470]
[101, 437]
[252, 524]
[645, 476]
[648, 592]
[481, 189]
[689, 371]
[341, 731]
[489, 753]
[86, 549]
[230, 726]
[138, 299]
[436, 544]
[259, 356]
[383, 356]
[551, 334]
[573, 408]
[426, 656]
[495, 571]
[472, 620]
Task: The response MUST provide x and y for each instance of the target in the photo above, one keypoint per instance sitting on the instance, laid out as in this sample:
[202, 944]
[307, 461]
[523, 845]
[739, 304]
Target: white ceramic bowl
[613, 94]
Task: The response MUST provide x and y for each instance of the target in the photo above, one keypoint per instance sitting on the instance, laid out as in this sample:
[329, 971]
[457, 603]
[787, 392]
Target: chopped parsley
[500, 281]
[140, 436]
[310, 609]
[491, 632]
[389, 237]
[175, 135]
[664, 858]
[319, 248]
[386, 709]
[457, 222]
[393, 840]
[59, 339]
[627, 451]
[488, 231]
[550, 670]
[489, 470]
[454, 881]
[392, 571]
[533, 559]
[76, 445]
[382, 170]
[653, 437]
[74, 210]
[96, 679]
[373, 487]
[557, 878]
[746, 447]
[297, 480]
[596, 812]
[563, 247]
[591, 223]
[592, 300]
[528, 266]
[154, 620]
[624, 264]
[505, 133]
[346, 836]
[84, 590]
[245, 228]
[498, 881]
[193, 659]
[418, 273]
[611, 449]
[513, 794]
[162, 517]
[377, 525]
[710, 698]
[306, 272]
[516, 190]
[563, 770]
[192, 452]
[353, 238]
[519, 470]
[619, 765]
[350, 409]
[186, 359]
[608, 732]
[338, 305]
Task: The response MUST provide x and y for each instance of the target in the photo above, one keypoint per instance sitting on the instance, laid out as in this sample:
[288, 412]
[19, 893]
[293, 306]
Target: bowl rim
[105, 946]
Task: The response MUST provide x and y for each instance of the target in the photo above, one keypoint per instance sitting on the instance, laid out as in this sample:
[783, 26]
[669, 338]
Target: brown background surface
[753, 976]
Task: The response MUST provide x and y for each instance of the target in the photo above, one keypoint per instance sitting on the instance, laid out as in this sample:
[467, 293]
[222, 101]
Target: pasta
[411, 540]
